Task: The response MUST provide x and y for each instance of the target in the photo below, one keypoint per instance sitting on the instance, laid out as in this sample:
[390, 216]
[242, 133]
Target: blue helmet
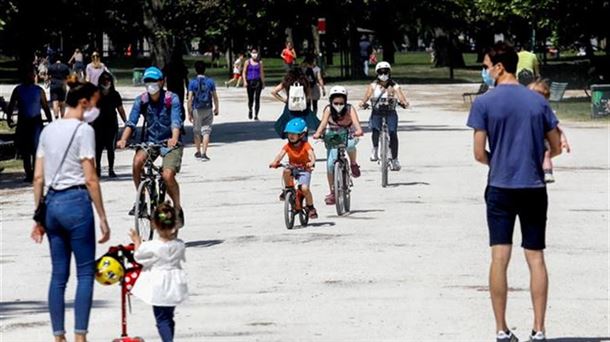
[296, 126]
[152, 74]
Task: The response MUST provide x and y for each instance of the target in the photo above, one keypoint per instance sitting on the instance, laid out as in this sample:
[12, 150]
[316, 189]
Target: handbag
[41, 209]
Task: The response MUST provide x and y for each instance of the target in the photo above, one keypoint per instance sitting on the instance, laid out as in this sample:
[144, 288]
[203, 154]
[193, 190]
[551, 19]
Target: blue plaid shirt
[160, 120]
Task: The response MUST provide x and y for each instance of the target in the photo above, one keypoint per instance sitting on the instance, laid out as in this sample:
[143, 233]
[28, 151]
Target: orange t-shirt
[298, 156]
[287, 56]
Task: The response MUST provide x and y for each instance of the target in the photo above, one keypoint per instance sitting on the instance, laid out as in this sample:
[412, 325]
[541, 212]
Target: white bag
[296, 98]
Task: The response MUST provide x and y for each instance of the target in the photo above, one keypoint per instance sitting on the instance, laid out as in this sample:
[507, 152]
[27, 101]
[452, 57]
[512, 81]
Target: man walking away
[202, 91]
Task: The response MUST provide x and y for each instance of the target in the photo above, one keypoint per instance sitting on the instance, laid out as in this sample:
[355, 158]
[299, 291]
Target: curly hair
[164, 217]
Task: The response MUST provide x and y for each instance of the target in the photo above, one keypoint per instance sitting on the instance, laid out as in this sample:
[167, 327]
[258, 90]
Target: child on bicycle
[301, 158]
[339, 115]
[542, 87]
[162, 282]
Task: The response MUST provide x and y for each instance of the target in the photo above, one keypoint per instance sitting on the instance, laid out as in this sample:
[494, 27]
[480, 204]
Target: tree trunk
[156, 34]
[387, 43]
[448, 53]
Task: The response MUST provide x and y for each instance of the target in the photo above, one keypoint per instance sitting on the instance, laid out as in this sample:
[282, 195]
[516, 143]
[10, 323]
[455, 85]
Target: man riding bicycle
[162, 122]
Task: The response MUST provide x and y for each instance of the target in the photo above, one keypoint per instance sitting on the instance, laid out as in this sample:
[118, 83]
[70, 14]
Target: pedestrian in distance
[202, 107]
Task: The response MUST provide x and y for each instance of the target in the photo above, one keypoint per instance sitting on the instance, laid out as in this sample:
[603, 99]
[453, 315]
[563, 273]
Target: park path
[409, 263]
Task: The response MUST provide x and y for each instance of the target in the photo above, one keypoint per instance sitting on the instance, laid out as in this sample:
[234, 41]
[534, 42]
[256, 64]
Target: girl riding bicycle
[301, 157]
[384, 94]
[339, 115]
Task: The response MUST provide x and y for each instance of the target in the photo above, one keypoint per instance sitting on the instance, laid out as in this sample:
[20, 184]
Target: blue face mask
[487, 79]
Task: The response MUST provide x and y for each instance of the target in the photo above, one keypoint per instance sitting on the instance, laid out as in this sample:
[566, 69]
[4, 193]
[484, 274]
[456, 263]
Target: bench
[482, 90]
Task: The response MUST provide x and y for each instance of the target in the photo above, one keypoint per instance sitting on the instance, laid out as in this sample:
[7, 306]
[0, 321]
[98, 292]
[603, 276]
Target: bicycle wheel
[303, 214]
[384, 157]
[144, 208]
[289, 202]
[339, 188]
[348, 192]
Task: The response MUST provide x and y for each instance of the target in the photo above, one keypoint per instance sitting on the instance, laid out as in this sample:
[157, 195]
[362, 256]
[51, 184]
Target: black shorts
[504, 205]
[58, 93]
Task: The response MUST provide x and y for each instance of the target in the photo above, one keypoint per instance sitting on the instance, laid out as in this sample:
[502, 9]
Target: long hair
[293, 75]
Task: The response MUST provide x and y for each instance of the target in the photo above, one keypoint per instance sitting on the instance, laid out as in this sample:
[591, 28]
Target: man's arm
[131, 123]
[216, 102]
[45, 105]
[480, 154]
[554, 138]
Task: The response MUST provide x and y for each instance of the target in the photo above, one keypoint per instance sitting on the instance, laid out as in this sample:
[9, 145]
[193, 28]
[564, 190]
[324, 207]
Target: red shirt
[299, 155]
[287, 56]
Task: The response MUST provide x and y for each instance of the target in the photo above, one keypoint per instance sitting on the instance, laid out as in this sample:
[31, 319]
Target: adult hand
[121, 144]
[274, 165]
[190, 117]
[37, 232]
[565, 145]
[316, 136]
[171, 143]
[358, 133]
[215, 111]
[105, 231]
[245, 83]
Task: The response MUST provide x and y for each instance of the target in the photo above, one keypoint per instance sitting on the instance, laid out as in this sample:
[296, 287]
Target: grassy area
[577, 109]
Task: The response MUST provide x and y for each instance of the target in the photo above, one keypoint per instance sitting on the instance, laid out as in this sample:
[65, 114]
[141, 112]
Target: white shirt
[53, 143]
[162, 281]
[389, 93]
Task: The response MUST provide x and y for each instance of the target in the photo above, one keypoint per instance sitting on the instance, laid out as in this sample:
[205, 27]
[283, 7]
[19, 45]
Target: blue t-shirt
[516, 120]
[202, 88]
[160, 117]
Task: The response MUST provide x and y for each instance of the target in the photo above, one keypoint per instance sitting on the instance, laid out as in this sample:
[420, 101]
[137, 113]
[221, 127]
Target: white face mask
[106, 86]
[91, 114]
[153, 88]
[338, 108]
[254, 55]
[383, 77]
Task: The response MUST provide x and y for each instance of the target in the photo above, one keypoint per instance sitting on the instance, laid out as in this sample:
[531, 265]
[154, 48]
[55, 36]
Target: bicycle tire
[384, 157]
[303, 215]
[348, 192]
[145, 206]
[339, 190]
[289, 202]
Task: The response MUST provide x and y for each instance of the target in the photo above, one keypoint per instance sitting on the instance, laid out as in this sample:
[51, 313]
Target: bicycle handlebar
[150, 145]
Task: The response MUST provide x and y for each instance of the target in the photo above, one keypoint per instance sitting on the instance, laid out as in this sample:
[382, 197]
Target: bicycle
[293, 200]
[384, 107]
[151, 191]
[342, 181]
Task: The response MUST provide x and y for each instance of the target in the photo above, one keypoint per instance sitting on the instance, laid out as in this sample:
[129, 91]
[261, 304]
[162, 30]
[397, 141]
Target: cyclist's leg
[171, 166]
[304, 179]
[393, 130]
[288, 179]
[352, 152]
[331, 157]
[138, 163]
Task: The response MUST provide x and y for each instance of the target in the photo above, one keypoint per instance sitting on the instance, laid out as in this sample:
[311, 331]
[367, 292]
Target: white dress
[162, 281]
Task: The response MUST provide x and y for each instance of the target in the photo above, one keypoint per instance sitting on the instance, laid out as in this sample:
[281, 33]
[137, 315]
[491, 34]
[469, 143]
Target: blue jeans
[164, 315]
[70, 229]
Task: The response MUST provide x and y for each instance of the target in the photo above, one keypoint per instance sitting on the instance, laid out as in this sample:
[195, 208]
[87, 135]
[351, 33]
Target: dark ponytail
[79, 90]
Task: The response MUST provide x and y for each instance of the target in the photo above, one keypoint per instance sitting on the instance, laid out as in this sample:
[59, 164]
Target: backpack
[144, 98]
[296, 98]
[203, 95]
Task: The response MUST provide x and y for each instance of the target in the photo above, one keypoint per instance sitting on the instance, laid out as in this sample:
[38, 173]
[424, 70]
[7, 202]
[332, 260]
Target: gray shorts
[303, 178]
[202, 121]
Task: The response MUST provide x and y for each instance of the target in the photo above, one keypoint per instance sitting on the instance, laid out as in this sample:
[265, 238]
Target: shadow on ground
[203, 243]
[31, 307]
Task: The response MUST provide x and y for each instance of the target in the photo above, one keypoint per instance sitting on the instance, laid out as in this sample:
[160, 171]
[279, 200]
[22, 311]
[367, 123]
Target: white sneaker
[374, 155]
[395, 165]
[506, 336]
[537, 336]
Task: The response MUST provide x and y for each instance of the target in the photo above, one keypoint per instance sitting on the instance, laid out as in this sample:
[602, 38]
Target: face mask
[106, 87]
[338, 108]
[487, 79]
[153, 88]
[254, 55]
[91, 114]
[383, 77]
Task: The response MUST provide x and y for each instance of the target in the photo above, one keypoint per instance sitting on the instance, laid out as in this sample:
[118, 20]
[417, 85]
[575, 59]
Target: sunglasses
[338, 103]
[95, 56]
[383, 72]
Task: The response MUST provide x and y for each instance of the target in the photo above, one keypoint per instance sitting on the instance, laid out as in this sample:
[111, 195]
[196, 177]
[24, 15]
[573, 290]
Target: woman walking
[106, 126]
[95, 68]
[254, 81]
[65, 164]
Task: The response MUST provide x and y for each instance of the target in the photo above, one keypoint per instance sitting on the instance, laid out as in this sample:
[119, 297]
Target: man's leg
[173, 189]
[539, 285]
[498, 284]
[197, 131]
[138, 163]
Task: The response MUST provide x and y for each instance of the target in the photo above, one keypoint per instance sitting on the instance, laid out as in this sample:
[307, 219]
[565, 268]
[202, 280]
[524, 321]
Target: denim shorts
[504, 205]
[303, 178]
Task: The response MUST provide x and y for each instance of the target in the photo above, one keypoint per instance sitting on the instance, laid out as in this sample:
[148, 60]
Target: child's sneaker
[313, 213]
[548, 176]
[506, 336]
[537, 336]
[330, 199]
[355, 170]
